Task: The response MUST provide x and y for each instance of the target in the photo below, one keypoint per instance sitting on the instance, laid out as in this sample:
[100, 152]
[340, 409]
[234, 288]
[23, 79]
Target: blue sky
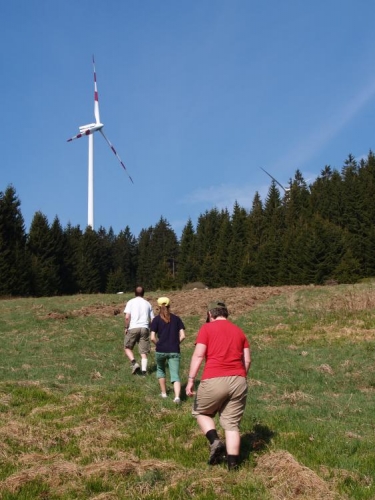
[194, 95]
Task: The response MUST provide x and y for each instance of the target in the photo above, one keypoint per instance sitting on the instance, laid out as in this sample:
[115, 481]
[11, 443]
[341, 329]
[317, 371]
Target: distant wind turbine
[285, 189]
[89, 131]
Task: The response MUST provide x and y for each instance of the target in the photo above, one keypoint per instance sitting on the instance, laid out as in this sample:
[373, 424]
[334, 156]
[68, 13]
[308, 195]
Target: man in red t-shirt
[223, 386]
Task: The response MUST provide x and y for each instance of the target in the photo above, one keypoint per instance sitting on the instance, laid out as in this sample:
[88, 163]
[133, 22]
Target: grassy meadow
[75, 424]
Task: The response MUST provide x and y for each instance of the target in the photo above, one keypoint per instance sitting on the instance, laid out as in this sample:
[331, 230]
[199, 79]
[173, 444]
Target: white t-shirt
[141, 313]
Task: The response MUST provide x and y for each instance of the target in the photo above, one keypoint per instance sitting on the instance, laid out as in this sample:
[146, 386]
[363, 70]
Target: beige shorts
[140, 336]
[223, 395]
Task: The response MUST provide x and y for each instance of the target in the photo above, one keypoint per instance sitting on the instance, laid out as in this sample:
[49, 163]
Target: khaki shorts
[140, 336]
[223, 395]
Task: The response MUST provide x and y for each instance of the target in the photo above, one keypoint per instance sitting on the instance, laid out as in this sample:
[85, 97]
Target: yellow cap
[163, 301]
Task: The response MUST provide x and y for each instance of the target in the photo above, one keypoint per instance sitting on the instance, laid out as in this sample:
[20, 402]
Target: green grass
[75, 424]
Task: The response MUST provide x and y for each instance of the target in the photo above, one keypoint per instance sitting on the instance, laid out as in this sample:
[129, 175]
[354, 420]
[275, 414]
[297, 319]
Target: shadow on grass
[256, 440]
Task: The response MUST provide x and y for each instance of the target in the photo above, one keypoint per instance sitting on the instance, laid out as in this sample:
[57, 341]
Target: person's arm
[195, 363]
[127, 320]
[151, 315]
[246, 359]
[153, 337]
[182, 335]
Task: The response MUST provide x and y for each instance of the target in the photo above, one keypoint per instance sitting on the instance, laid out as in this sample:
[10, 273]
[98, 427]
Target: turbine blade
[96, 95]
[115, 152]
[81, 134]
[75, 137]
[277, 182]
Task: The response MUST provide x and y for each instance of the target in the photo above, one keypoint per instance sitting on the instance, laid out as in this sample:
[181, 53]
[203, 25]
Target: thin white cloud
[224, 196]
[306, 150]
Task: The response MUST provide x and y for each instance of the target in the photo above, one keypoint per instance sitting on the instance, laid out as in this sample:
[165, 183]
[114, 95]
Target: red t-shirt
[225, 343]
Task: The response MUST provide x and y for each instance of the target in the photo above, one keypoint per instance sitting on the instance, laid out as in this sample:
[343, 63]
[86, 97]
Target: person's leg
[177, 389]
[160, 372]
[217, 447]
[230, 418]
[210, 397]
[129, 342]
[129, 354]
[144, 361]
[206, 423]
[174, 369]
[144, 348]
[233, 440]
[163, 386]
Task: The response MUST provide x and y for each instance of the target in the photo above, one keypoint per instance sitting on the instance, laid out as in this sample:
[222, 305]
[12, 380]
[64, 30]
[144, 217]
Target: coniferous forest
[309, 234]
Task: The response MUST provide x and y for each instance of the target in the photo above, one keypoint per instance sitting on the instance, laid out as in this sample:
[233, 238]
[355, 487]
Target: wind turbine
[285, 189]
[89, 130]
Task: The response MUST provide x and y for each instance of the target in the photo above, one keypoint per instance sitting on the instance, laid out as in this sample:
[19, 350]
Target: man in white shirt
[138, 316]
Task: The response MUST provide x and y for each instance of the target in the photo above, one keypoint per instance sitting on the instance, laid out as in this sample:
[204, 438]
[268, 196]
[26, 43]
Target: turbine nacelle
[90, 128]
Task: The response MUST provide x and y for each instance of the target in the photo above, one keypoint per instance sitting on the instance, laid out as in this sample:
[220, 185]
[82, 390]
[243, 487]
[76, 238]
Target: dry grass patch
[325, 368]
[64, 476]
[335, 476]
[24, 435]
[286, 479]
[296, 397]
[339, 299]
[352, 333]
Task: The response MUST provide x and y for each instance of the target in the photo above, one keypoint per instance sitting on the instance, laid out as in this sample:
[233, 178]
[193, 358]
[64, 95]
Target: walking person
[138, 316]
[167, 333]
[223, 386]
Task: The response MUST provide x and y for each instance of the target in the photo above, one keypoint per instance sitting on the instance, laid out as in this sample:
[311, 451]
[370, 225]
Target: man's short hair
[218, 308]
[139, 291]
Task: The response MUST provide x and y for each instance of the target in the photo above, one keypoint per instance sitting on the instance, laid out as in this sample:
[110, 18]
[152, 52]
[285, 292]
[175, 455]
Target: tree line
[306, 235]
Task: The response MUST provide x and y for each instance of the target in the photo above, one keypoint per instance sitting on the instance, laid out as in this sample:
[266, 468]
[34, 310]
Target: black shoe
[144, 373]
[135, 368]
[217, 452]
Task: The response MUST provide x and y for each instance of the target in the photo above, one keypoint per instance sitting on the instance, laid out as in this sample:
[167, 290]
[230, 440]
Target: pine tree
[351, 196]
[254, 234]
[348, 270]
[365, 243]
[43, 251]
[237, 245]
[164, 255]
[145, 269]
[270, 249]
[326, 249]
[14, 258]
[207, 240]
[326, 196]
[88, 267]
[105, 255]
[73, 240]
[60, 248]
[187, 270]
[122, 276]
[222, 274]
[294, 262]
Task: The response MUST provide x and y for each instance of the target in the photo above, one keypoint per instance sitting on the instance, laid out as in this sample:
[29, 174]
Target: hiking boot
[135, 368]
[217, 452]
[233, 467]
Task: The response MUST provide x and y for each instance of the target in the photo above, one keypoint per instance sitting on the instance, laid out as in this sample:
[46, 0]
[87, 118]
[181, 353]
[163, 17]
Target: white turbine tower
[89, 131]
